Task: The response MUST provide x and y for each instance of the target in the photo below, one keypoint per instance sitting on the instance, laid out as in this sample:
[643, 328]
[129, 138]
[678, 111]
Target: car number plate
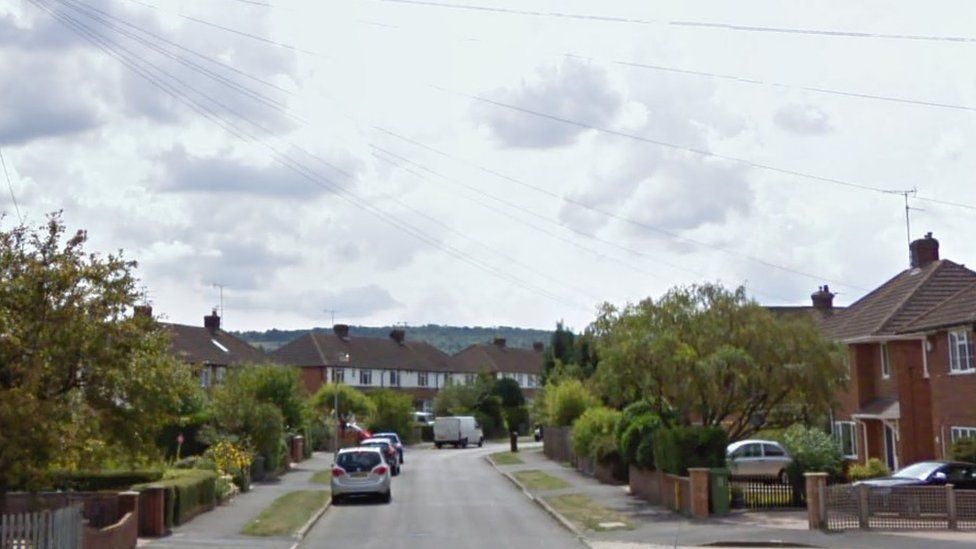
[358, 475]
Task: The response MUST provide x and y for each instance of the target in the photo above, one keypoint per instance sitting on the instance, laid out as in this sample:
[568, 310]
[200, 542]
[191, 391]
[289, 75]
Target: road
[443, 498]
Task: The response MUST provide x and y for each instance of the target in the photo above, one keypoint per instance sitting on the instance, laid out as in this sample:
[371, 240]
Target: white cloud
[803, 119]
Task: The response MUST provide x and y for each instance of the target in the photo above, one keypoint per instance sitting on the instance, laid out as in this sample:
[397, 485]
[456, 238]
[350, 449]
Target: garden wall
[557, 444]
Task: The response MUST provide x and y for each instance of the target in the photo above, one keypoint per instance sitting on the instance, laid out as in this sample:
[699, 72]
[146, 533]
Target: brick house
[523, 365]
[903, 388]
[209, 350]
[415, 367]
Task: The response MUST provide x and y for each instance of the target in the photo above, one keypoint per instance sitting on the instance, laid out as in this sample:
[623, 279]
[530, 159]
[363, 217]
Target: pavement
[658, 527]
[449, 498]
[221, 527]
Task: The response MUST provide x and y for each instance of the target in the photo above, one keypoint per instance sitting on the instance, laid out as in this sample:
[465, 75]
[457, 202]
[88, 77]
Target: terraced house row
[414, 367]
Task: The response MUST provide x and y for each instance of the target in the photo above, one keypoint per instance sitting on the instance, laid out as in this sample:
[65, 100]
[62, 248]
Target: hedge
[94, 481]
[188, 491]
[676, 449]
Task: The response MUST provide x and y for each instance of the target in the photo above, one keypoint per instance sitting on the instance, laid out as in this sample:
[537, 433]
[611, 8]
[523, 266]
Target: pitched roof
[959, 308]
[891, 307]
[496, 358]
[198, 345]
[319, 348]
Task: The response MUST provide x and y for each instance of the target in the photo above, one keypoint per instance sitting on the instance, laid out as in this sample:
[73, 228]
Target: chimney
[398, 335]
[823, 300]
[212, 322]
[538, 346]
[341, 330]
[499, 342]
[142, 311]
[924, 251]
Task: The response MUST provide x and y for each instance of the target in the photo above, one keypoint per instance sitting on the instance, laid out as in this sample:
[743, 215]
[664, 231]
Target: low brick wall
[646, 484]
[676, 493]
[557, 444]
[124, 534]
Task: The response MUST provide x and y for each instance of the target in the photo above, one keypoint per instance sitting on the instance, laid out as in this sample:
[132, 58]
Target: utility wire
[113, 49]
[10, 187]
[690, 24]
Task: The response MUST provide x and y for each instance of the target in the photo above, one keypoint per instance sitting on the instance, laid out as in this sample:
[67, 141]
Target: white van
[457, 430]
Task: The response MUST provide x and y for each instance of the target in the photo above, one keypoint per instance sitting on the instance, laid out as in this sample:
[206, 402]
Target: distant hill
[449, 339]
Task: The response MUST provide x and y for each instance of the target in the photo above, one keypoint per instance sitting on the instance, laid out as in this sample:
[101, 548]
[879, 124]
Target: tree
[709, 355]
[393, 412]
[509, 391]
[279, 386]
[81, 379]
[566, 402]
[561, 350]
[352, 402]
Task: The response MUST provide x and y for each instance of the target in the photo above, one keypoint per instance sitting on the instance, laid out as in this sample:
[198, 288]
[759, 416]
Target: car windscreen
[355, 462]
[920, 471]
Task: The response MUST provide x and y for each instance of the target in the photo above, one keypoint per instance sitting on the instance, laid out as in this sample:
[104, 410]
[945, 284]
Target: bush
[266, 431]
[516, 419]
[593, 433]
[636, 441]
[94, 481]
[566, 402]
[813, 450]
[874, 468]
[188, 491]
[964, 449]
[676, 449]
[393, 412]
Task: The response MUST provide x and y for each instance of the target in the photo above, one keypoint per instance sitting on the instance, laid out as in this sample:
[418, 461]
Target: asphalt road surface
[448, 499]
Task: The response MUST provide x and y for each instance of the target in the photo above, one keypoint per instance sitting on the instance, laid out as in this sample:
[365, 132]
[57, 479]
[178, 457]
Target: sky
[477, 162]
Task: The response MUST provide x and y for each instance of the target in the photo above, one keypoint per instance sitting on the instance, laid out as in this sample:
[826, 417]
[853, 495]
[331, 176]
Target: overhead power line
[10, 187]
[137, 64]
[690, 24]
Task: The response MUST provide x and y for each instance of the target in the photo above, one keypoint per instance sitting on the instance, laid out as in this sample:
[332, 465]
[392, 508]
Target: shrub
[94, 481]
[231, 460]
[188, 492]
[393, 412]
[516, 418]
[567, 401]
[813, 450]
[266, 431]
[593, 433]
[636, 441]
[678, 448]
[874, 468]
[964, 449]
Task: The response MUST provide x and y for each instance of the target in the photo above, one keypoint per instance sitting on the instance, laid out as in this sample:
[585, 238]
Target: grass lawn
[537, 480]
[322, 477]
[582, 510]
[506, 458]
[287, 514]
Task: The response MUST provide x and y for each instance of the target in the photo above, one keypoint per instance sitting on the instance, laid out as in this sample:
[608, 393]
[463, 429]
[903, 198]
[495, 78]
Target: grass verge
[322, 477]
[287, 513]
[534, 479]
[582, 510]
[506, 458]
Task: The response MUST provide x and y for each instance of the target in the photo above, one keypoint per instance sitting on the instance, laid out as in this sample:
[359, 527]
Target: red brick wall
[313, 377]
[954, 396]
[122, 535]
[916, 441]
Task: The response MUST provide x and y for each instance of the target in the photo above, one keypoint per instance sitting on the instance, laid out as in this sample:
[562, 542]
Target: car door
[748, 459]
[774, 459]
[962, 477]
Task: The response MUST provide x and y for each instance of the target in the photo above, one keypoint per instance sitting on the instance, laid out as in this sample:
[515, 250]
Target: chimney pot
[823, 300]
[342, 331]
[212, 322]
[499, 342]
[398, 335]
[924, 251]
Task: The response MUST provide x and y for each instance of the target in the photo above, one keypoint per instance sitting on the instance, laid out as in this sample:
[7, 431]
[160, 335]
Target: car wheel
[481, 442]
[438, 445]
[784, 477]
[387, 497]
[336, 500]
[464, 443]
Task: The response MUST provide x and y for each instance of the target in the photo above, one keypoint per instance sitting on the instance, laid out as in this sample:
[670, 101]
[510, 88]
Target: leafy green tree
[713, 357]
[510, 392]
[455, 399]
[561, 350]
[567, 401]
[593, 433]
[352, 402]
[393, 411]
[81, 380]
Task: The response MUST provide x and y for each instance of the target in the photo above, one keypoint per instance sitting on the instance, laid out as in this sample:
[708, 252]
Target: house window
[221, 374]
[421, 379]
[962, 432]
[365, 377]
[338, 375]
[521, 380]
[205, 377]
[846, 435]
[469, 379]
[961, 352]
[394, 378]
[885, 361]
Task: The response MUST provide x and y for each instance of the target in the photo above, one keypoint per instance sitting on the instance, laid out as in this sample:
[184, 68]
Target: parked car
[960, 474]
[423, 418]
[389, 452]
[395, 440]
[360, 472]
[759, 457]
[457, 430]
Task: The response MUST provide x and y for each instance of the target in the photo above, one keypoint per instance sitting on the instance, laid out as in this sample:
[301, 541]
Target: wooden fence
[58, 529]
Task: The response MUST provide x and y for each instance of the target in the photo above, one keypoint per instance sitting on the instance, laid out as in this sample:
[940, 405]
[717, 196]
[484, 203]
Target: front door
[891, 451]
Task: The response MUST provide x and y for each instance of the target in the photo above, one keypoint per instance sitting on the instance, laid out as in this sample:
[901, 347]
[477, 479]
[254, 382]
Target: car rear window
[355, 462]
[380, 445]
[773, 450]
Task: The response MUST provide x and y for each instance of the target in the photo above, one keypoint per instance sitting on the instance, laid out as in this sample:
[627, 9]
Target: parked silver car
[360, 471]
[759, 457]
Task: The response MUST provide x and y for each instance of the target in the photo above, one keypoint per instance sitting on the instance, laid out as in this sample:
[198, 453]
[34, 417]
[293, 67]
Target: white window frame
[961, 360]
[957, 432]
[205, 377]
[338, 375]
[422, 380]
[839, 437]
[394, 378]
[520, 379]
[365, 377]
[885, 362]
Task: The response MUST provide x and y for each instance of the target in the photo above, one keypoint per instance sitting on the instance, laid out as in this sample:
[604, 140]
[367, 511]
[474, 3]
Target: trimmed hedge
[678, 448]
[188, 491]
[94, 481]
